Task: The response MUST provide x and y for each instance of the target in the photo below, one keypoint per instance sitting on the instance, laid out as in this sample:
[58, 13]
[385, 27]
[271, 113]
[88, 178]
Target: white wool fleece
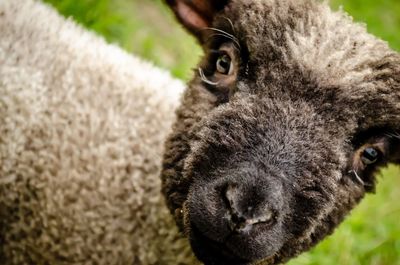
[82, 126]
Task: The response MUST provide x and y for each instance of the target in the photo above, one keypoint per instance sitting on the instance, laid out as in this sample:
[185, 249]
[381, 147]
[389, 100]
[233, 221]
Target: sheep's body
[82, 126]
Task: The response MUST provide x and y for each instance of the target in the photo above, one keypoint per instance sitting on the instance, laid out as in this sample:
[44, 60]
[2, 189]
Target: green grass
[142, 27]
[371, 235]
[382, 17]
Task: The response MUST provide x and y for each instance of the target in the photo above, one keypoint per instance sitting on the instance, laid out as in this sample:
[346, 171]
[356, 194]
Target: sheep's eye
[369, 156]
[223, 64]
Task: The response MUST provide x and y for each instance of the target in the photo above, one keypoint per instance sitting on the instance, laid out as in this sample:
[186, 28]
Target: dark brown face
[270, 152]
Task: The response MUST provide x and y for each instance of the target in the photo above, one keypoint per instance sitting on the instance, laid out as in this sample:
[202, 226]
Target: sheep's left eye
[223, 64]
[369, 156]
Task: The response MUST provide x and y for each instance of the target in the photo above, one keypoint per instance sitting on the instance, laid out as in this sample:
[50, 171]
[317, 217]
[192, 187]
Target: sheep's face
[270, 151]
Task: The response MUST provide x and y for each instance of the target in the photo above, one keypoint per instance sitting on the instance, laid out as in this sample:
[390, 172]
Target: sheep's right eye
[369, 156]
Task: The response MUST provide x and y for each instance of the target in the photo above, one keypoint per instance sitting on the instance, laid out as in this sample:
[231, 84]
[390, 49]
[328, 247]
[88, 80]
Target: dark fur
[286, 133]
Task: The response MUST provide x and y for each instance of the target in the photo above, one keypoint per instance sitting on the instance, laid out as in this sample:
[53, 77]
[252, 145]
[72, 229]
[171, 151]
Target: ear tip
[171, 3]
[196, 15]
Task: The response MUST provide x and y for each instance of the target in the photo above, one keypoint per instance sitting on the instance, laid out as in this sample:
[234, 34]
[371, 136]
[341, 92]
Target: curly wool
[82, 125]
[309, 91]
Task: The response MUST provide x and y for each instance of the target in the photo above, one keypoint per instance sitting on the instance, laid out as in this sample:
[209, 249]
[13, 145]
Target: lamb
[279, 135]
[82, 126]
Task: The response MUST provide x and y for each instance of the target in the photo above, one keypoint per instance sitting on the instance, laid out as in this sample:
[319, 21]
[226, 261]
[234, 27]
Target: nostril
[237, 221]
[240, 223]
[237, 218]
[243, 214]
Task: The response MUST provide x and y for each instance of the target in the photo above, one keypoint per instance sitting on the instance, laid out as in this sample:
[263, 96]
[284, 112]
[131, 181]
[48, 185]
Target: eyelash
[205, 79]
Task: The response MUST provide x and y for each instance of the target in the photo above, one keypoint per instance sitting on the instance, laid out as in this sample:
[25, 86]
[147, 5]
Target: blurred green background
[371, 235]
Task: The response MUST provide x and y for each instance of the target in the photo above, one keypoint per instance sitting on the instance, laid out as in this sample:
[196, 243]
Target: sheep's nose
[247, 208]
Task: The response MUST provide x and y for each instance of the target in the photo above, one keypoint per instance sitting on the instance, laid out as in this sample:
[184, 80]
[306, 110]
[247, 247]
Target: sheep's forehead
[307, 34]
[304, 39]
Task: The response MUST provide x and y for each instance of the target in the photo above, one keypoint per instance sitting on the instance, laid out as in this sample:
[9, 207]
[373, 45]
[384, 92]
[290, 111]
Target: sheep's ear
[196, 15]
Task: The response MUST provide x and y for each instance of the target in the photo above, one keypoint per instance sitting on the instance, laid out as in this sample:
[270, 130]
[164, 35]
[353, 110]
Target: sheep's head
[290, 113]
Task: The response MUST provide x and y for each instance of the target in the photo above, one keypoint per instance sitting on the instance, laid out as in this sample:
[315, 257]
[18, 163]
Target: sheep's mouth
[212, 252]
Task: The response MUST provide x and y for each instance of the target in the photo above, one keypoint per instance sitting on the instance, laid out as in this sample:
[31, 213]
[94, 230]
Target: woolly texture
[282, 134]
[82, 125]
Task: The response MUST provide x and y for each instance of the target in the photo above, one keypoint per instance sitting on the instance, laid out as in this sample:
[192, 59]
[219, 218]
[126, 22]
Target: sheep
[292, 111]
[278, 136]
[82, 126]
